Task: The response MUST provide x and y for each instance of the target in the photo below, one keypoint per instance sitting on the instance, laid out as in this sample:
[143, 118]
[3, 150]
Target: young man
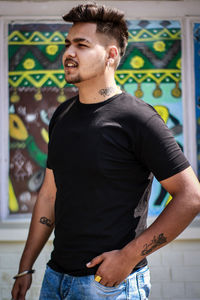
[105, 146]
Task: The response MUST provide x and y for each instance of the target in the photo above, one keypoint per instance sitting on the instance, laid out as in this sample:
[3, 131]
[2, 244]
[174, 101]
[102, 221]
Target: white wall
[136, 9]
[175, 268]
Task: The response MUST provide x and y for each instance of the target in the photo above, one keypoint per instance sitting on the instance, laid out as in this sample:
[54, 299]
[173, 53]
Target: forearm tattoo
[107, 92]
[46, 221]
[157, 241]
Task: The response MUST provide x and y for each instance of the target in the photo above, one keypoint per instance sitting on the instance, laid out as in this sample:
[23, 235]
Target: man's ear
[113, 55]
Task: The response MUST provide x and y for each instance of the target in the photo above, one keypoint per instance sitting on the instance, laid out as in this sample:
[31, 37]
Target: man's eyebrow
[77, 40]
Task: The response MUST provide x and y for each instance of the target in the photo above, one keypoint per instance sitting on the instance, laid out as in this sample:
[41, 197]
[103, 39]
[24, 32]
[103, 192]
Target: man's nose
[70, 51]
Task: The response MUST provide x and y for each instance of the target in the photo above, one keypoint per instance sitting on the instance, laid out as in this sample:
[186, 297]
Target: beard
[73, 79]
[76, 77]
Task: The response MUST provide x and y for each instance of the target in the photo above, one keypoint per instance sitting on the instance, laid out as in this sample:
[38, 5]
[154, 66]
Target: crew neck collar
[98, 104]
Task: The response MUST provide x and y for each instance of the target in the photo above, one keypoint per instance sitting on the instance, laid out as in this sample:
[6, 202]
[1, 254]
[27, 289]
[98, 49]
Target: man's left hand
[114, 267]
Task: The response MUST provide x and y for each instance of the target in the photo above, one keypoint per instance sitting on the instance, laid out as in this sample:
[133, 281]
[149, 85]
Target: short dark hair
[110, 21]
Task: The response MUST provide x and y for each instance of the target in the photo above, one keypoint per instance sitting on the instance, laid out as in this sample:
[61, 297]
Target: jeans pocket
[143, 284]
[110, 290]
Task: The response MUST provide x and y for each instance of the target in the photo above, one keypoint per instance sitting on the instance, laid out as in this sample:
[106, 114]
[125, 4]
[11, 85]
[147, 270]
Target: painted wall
[150, 70]
[36, 87]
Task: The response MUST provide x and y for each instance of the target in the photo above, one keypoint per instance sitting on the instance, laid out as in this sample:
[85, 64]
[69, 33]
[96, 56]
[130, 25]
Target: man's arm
[42, 224]
[184, 187]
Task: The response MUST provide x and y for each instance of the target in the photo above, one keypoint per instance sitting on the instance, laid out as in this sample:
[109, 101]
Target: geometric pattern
[153, 56]
[40, 55]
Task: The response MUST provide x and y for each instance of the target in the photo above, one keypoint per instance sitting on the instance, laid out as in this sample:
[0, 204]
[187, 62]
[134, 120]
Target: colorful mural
[36, 87]
[196, 31]
[151, 70]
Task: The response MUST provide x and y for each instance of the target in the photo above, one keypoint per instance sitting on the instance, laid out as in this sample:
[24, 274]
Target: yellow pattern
[14, 98]
[38, 38]
[157, 91]
[30, 40]
[137, 62]
[168, 200]
[159, 46]
[45, 135]
[178, 64]
[152, 36]
[163, 112]
[13, 205]
[62, 97]
[151, 73]
[52, 49]
[139, 93]
[17, 128]
[50, 75]
[43, 40]
[29, 63]
[38, 95]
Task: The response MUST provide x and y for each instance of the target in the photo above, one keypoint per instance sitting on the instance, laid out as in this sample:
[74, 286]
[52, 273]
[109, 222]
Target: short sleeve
[159, 151]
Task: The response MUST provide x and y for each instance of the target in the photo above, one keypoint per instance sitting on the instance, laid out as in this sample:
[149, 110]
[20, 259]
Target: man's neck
[90, 93]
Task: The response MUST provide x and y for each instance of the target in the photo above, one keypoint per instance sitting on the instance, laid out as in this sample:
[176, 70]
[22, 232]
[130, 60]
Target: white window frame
[4, 113]
[188, 89]
[4, 119]
[189, 128]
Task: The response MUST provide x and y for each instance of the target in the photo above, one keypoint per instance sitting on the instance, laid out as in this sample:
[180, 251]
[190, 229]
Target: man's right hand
[38, 235]
[21, 286]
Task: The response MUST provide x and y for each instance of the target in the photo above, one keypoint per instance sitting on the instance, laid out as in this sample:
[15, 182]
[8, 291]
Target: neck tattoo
[107, 91]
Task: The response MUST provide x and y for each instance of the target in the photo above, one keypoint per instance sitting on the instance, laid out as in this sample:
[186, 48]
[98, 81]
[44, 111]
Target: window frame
[4, 113]
[188, 88]
[188, 98]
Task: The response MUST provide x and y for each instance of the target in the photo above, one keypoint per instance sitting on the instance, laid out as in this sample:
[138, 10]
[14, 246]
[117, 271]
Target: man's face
[85, 55]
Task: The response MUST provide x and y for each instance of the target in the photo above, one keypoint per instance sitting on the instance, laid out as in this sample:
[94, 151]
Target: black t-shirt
[103, 157]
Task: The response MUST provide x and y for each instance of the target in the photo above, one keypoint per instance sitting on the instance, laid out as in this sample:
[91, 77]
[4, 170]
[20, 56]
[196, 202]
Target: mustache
[69, 60]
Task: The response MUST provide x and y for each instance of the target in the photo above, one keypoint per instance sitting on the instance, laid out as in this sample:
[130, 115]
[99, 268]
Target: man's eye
[82, 45]
[66, 45]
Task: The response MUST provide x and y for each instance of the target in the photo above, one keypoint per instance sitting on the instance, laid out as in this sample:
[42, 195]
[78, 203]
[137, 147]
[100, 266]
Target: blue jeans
[58, 286]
